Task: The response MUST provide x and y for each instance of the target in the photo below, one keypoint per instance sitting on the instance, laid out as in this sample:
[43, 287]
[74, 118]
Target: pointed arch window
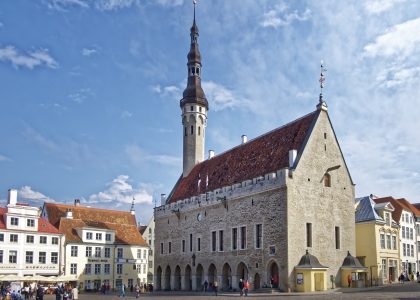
[192, 129]
[327, 180]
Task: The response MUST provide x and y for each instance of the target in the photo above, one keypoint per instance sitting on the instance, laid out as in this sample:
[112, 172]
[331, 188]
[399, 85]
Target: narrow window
[199, 108]
[199, 130]
[309, 234]
[213, 241]
[388, 241]
[183, 245]
[191, 108]
[220, 240]
[169, 247]
[325, 135]
[327, 180]
[234, 238]
[258, 236]
[337, 237]
[243, 237]
[161, 248]
[191, 243]
[192, 129]
[185, 131]
[199, 244]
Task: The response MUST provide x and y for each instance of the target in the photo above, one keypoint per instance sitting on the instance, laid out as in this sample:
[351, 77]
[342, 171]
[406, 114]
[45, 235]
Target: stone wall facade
[281, 203]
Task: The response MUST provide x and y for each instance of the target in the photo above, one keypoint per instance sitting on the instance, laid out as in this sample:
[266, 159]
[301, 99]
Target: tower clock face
[199, 217]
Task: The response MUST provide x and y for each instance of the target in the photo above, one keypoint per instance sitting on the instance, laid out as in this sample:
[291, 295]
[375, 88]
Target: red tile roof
[410, 206]
[46, 227]
[123, 223]
[262, 155]
[2, 212]
[399, 205]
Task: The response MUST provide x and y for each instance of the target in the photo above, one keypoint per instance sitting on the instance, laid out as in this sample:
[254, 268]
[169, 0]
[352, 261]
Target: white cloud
[89, 52]
[61, 5]
[221, 97]
[170, 91]
[380, 6]
[399, 76]
[4, 158]
[30, 60]
[401, 41]
[81, 95]
[277, 17]
[122, 191]
[126, 114]
[107, 5]
[170, 3]
[27, 193]
[138, 156]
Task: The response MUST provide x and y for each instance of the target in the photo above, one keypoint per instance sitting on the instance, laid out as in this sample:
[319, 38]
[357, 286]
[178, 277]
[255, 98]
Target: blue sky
[90, 90]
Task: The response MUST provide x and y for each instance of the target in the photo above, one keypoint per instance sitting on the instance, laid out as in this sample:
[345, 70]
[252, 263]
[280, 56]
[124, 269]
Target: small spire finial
[194, 2]
[132, 204]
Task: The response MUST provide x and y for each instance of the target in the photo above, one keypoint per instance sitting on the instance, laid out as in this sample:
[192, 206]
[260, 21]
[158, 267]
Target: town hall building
[277, 210]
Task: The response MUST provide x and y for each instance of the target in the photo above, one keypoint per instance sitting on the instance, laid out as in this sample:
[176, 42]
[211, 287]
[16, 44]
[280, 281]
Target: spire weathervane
[322, 105]
[322, 80]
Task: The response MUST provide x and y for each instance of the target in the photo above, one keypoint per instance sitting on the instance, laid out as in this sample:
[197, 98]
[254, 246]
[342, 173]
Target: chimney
[162, 199]
[12, 197]
[244, 139]
[211, 153]
[69, 214]
[76, 202]
[292, 157]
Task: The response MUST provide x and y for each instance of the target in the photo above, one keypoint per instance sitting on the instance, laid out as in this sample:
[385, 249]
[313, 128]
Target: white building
[404, 216]
[102, 247]
[29, 244]
[148, 233]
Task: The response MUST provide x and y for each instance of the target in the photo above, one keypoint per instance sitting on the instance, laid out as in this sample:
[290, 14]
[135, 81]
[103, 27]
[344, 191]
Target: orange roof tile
[399, 205]
[262, 155]
[2, 212]
[123, 223]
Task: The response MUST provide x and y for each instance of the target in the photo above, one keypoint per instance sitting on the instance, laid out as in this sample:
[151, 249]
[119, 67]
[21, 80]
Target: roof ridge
[85, 207]
[262, 135]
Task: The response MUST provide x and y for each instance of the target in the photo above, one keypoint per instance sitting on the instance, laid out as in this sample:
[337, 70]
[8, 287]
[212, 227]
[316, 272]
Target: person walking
[215, 286]
[349, 280]
[241, 287]
[206, 285]
[246, 288]
[74, 293]
[137, 291]
[39, 293]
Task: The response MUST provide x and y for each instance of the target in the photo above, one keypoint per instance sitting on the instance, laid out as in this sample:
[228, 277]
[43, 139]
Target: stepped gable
[123, 223]
[262, 155]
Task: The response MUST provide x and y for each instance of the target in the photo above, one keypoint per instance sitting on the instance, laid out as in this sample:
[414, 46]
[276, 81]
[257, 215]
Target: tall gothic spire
[194, 93]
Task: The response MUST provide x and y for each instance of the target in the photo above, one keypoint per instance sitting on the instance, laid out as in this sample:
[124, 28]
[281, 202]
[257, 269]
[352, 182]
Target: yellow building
[377, 241]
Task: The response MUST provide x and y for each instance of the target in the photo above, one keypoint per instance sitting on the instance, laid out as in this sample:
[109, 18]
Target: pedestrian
[137, 290]
[401, 278]
[349, 280]
[206, 285]
[246, 288]
[74, 293]
[241, 287]
[57, 293]
[39, 293]
[122, 290]
[66, 294]
[215, 286]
